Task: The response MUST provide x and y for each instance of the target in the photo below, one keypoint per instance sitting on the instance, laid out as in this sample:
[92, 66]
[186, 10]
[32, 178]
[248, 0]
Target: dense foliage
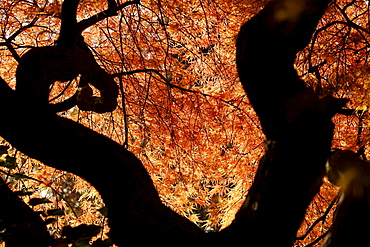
[182, 110]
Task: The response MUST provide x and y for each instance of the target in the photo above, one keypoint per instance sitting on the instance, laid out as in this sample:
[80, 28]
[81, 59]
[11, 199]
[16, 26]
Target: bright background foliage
[182, 110]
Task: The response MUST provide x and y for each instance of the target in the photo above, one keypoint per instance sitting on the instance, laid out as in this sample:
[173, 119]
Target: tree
[295, 119]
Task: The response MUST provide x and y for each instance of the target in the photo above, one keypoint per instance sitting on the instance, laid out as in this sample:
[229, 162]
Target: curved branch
[137, 216]
[274, 49]
[296, 121]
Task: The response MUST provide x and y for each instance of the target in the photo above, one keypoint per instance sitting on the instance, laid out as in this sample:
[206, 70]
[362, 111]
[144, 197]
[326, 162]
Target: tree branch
[69, 32]
[21, 225]
[321, 218]
[169, 84]
[8, 41]
[111, 11]
[157, 73]
[135, 209]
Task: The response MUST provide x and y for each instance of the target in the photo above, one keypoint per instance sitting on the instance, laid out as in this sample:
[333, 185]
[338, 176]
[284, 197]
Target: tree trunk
[296, 122]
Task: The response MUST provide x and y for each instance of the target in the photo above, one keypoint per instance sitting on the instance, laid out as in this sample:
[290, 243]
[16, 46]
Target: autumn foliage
[182, 110]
